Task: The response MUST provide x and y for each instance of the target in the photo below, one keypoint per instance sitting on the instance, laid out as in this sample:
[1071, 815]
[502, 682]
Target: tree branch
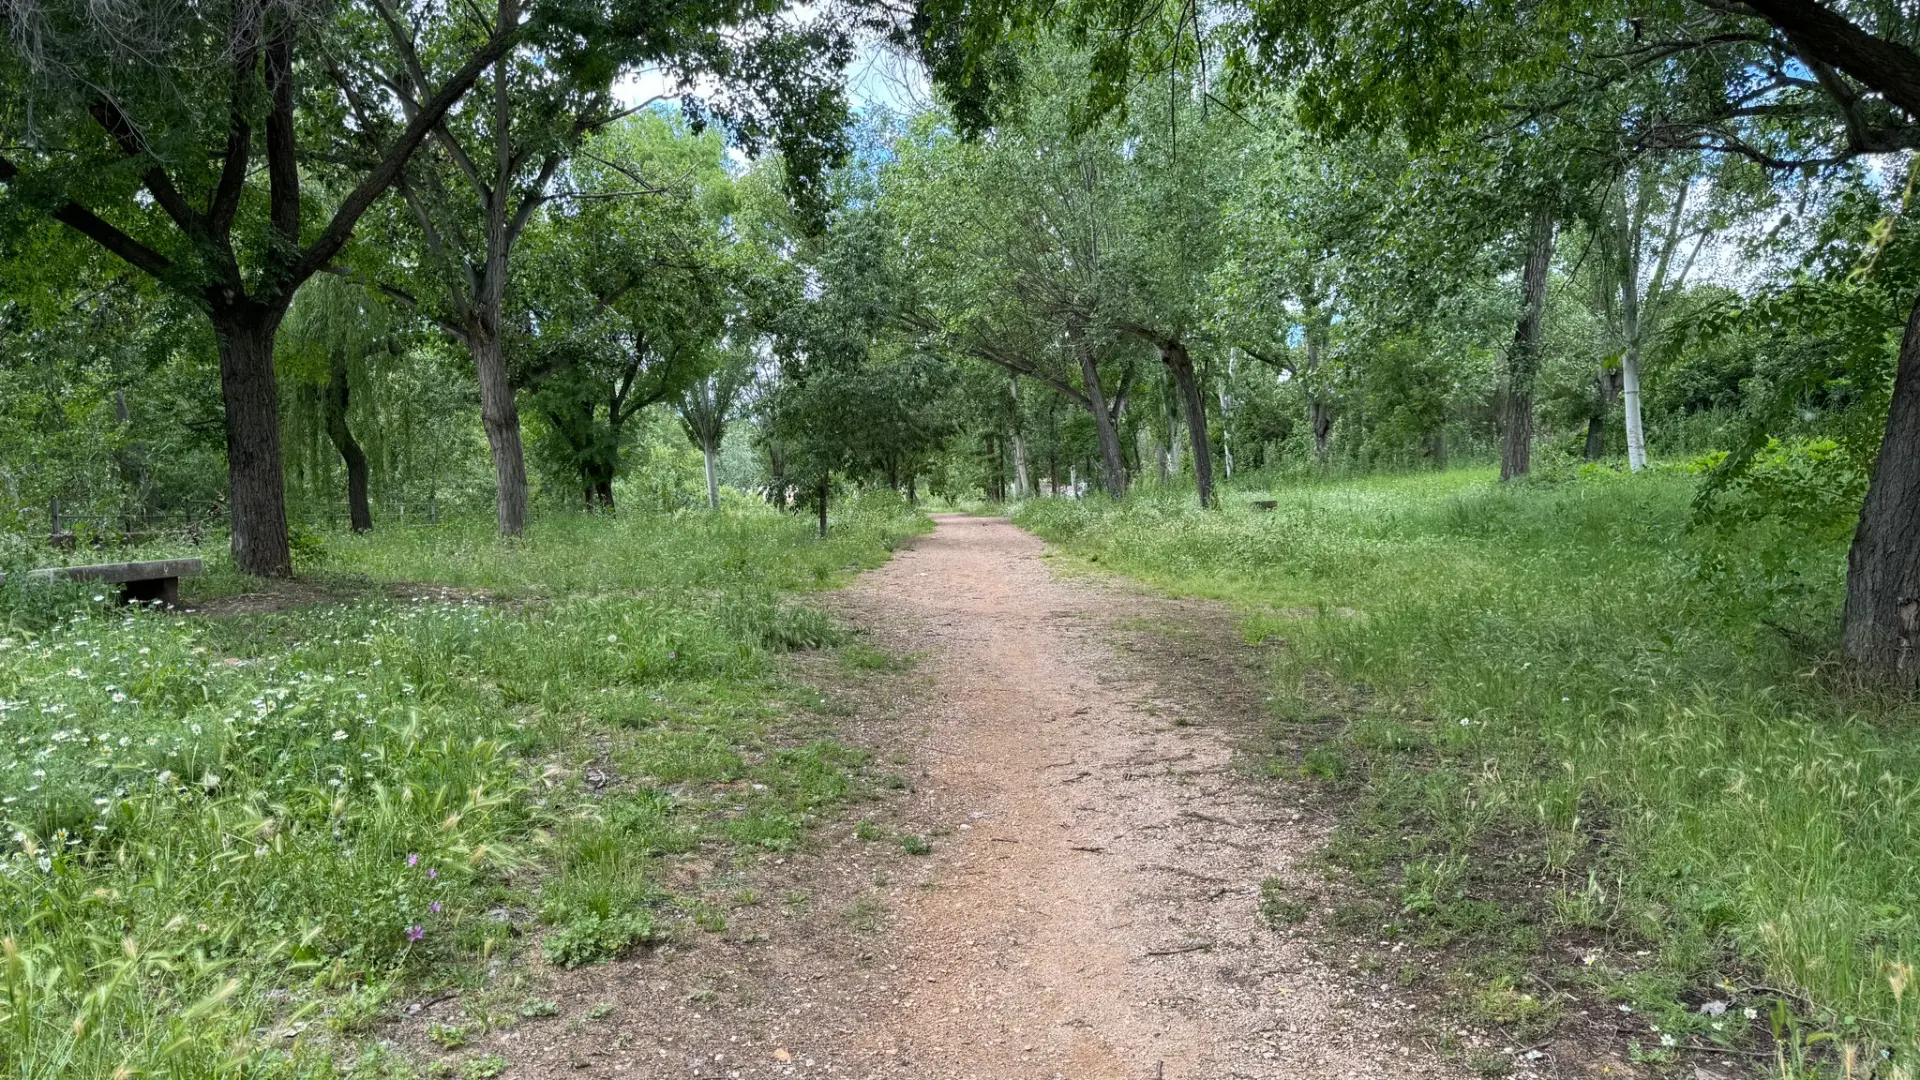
[334, 236]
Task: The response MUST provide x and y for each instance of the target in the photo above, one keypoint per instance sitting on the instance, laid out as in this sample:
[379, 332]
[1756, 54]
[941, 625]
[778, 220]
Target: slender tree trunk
[1319, 411]
[1114, 470]
[1193, 404]
[1523, 360]
[712, 453]
[1022, 473]
[256, 483]
[1630, 398]
[826, 487]
[501, 416]
[359, 512]
[1606, 388]
[1882, 615]
[776, 477]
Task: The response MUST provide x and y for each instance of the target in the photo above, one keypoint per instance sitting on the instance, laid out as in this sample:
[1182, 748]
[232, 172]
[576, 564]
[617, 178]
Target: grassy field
[235, 837]
[1580, 736]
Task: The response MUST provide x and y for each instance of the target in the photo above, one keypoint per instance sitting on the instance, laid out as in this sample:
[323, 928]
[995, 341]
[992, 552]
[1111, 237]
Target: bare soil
[1090, 907]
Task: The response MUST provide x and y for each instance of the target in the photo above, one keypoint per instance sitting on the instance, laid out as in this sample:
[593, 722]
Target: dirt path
[1097, 914]
[1090, 907]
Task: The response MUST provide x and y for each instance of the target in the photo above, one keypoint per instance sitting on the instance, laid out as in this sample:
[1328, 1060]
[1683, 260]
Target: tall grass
[217, 827]
[1652, 707]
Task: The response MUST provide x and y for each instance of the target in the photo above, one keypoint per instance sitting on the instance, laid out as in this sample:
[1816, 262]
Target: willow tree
[330, 330]
[706, 408]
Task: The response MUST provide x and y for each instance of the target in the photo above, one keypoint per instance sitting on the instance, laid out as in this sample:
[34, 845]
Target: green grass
[1564, 712]
[225, 827]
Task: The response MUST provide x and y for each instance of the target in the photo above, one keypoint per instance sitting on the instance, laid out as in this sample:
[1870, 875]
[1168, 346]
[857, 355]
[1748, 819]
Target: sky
[877, 76]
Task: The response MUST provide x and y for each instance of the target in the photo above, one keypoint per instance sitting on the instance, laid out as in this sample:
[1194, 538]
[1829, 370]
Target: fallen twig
[1196, 947]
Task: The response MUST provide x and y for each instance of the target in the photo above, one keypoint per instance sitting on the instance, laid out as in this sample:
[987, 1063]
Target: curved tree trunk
[359, 511]
[500, 414]
[1882, 616]
[1173, 353]
[256, 484]
[1113, 467]
[1523, 360]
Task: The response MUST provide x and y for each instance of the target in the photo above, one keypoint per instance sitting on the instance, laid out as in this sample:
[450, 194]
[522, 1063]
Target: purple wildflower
[413, 860]
[434, 907]
[416, 932]
[432, 873]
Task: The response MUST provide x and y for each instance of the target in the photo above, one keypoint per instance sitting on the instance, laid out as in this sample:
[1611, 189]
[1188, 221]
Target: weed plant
[224, 829]
[1566, 691]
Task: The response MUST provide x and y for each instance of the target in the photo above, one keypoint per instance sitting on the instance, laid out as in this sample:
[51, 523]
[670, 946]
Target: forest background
[1254, 302]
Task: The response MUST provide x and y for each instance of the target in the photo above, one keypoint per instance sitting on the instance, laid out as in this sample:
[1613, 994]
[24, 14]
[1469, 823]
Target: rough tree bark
[250, 392]
[1523, 360]
[1882, 615]
[500, 415]
[359, 510]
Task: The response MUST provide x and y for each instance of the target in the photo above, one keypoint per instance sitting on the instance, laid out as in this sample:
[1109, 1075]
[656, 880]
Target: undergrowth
[225, 830]
[1580, 733]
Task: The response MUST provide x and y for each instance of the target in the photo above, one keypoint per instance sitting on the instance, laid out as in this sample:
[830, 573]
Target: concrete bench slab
[140, 582]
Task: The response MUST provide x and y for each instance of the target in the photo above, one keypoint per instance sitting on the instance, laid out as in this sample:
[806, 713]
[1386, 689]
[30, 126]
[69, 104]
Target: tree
[331, 325]
[707, 406]
[143, 138]
[491, 167]
[629, 284]
[1009, 248]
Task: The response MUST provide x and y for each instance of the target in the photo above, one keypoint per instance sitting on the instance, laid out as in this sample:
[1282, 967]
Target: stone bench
[140, 582]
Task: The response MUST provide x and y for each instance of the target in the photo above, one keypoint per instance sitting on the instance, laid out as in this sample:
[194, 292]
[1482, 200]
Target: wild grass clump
[1571, 684]
[217, 827]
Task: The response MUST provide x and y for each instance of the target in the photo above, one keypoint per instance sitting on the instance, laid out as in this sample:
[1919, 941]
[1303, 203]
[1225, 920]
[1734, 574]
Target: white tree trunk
[712, 454]
[1226, 424]
[1630, 398]
[1022, 484]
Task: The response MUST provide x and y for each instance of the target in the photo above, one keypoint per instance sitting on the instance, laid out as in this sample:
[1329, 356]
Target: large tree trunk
[359, 511]
[1113, 468]
[712, 453]
[256, 484]
[1882, 615]
[501, 417]
[1523, 360]
[1173, 353]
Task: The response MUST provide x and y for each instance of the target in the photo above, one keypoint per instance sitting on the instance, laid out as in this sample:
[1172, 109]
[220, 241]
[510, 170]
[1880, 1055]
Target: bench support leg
[165, 590]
